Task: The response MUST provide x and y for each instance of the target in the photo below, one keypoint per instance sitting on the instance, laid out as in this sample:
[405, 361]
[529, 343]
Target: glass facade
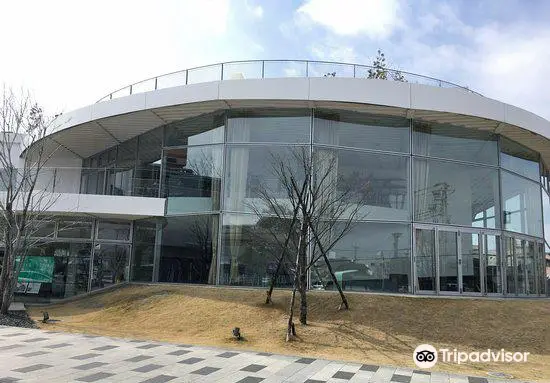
[77, 255]
[443, 209]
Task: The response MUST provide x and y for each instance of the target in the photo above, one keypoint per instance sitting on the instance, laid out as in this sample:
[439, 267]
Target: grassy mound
[378, 329]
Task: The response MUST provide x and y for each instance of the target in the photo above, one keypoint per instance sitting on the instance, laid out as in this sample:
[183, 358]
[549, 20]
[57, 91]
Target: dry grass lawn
[378, 329]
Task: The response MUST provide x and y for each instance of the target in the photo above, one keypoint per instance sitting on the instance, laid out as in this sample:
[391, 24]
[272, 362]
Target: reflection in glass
[520, 266]
[510, 265]
[110, 265]
[471, 265]
[192, 179]
[370, 257]
[530, 268]
[425, 259]
[519, 159]
[521, 205]
[454, 142]
[546, 215]
[457, 194]
[147, 173]
[493, 272]
[251, 170]
[69, 228]
[189, 248]
[144, 250]
[55, 270]
[201, 130]
[251, 249]
[378, 181]
[361, 130]
[114, 230]
[448, 261]
[257, 126]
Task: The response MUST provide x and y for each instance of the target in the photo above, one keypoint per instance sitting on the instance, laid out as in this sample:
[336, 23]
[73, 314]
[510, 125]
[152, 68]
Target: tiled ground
[34, 355]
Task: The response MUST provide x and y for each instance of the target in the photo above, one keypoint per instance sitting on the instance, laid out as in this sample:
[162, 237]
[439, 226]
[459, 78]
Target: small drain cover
[501, 375]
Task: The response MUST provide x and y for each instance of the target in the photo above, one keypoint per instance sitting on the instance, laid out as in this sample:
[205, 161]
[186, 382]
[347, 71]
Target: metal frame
[129, 88]
[481, 233]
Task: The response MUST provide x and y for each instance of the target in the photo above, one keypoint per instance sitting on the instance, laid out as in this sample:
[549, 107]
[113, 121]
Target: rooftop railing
[259, 69]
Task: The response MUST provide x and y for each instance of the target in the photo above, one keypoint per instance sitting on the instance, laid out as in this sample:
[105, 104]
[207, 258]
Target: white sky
[71, 53]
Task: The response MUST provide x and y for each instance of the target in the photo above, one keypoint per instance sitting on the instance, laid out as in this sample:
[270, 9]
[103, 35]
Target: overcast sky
[70, 53]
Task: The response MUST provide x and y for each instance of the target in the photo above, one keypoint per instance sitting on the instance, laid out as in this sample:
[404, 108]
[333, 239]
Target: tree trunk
[7, 272]
[302, 269]
[3, 278]
[269, 292]
[329, 267]
[7, 285]
[336, 283]
[290, 326]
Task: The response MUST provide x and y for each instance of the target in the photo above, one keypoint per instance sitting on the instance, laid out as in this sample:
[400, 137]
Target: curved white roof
[97, 127]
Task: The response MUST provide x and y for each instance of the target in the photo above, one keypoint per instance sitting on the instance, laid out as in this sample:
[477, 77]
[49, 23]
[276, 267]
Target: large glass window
[510, 265]
[546, 215]
[291, 126]
[378, 181]
[144, 250]
[471, 262]
[110, 265]
[189, 248]
[425, 264]
[252, 170]
[113, 230]
[55, 270]
[69, 228]
[147, 176]
[251, 249]
[454, 142]
[205, 129]
[370, 257]
[192, 179]
[530, 268]
[457, 194]
[493, 264]
[448, 261]
[519, 159]
[361, 130]
[521, 202]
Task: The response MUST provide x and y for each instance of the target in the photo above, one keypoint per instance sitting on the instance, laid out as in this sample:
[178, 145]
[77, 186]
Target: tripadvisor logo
[426, 356]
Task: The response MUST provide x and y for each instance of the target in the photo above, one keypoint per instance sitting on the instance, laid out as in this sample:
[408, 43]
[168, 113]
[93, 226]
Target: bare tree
[24, 184]
[321, 208]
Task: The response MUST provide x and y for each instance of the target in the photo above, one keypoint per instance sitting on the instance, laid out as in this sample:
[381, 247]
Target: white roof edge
[345, 90]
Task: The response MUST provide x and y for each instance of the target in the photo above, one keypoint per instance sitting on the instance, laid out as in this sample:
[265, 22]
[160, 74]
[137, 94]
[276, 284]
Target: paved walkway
[34, 355]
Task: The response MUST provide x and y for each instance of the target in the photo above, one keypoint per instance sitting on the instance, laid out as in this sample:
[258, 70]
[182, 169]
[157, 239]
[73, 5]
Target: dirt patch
[378, 329]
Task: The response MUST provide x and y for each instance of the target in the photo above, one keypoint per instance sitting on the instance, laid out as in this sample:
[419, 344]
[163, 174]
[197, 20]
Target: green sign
[37, 269]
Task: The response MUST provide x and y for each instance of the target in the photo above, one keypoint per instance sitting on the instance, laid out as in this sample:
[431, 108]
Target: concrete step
[17, 306]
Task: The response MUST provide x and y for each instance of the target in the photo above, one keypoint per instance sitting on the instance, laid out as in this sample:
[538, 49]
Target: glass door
[519, 249]
[492, 264]
[471, 263]
[449, 262]
[530, 268]
[425, 260]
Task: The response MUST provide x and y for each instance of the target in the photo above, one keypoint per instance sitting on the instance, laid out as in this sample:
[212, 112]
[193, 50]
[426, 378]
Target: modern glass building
[157, 181]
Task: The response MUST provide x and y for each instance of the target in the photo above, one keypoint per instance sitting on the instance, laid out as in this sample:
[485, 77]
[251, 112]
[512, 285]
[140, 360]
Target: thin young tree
[24, 184]
[321, 207]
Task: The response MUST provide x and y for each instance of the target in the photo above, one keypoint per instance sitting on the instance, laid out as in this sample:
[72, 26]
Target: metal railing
[128, 181]
[260, 69]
